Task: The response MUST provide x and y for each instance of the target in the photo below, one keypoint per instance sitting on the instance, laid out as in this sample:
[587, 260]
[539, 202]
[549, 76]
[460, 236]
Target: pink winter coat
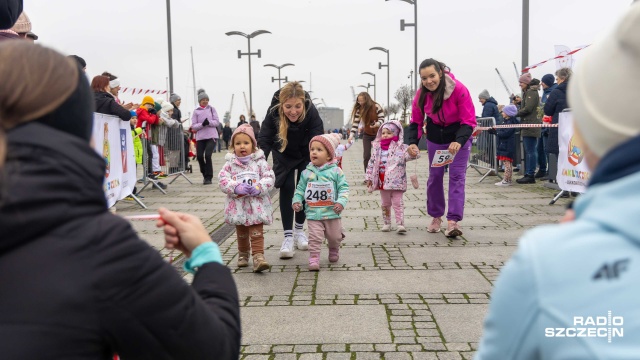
[456, 107]
[247, 210]
[395, 173]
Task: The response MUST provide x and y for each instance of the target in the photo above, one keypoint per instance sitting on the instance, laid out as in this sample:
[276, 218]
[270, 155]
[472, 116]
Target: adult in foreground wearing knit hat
[324, 190]
[205, 123]
[93, 288]
[286, 132]
[528, 114]
[586, 268]
[451, 118]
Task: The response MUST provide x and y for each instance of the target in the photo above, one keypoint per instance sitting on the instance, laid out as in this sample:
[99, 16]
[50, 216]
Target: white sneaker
[503, 183]
[300, 240]
[386, 228]
[401, 229]
[286, 251]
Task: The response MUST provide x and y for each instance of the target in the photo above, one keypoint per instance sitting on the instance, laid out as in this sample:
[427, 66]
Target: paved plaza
[413, 296]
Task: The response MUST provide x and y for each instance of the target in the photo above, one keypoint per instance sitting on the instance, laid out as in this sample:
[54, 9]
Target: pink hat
[525, 78]
[329, 141]
[247, 130]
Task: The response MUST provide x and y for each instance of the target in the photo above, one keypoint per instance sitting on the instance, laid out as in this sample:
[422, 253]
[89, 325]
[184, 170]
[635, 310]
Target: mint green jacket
[323, 186]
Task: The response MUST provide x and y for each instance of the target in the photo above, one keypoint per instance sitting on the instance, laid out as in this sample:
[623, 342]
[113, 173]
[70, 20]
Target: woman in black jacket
[105, 102]
[291, 122]
[77, 282]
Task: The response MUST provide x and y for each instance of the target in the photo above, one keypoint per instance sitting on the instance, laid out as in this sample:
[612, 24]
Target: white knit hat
[166, 106]
[603, 92]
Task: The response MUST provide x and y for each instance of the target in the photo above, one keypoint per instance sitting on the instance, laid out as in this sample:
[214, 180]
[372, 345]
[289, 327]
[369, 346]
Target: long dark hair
[438, 94]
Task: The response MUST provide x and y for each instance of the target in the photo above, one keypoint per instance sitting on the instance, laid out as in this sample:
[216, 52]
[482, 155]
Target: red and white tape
[553, 58]
[516, 126]
[135, 91]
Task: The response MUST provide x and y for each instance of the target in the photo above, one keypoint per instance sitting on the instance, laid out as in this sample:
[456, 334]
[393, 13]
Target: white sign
[113, 142]
[590, 326]
[319, 194]
[442, 158]
[573, 173]
[247, 177]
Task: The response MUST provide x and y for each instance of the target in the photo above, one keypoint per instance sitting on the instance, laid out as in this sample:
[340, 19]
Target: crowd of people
[108, 279]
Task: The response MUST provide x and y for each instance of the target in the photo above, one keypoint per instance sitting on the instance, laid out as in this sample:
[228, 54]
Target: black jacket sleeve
[412, 133]
[268, 133]
[119, 111]
[149, 312]
[463, 134]
[550, 105]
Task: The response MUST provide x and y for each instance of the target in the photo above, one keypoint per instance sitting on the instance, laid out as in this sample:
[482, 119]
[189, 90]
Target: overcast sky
[327, 40]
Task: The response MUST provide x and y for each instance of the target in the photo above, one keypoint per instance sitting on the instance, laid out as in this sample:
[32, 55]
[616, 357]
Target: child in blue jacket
[325, 191]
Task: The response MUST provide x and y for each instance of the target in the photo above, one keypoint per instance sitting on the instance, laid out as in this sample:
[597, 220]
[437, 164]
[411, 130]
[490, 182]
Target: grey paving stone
[368, 355]
[396, 281]
[256, 357]
[316, 356]
[361, 347]
[264, 284]
[305, 348]
[460, 323]
[418, 256]
[397, 356]
[451, 346]
[257, 349]
[385, 347]
[334, 347]
[366, 324]
[338, 356]
[453, 355]
[424, 356]
[282, 348]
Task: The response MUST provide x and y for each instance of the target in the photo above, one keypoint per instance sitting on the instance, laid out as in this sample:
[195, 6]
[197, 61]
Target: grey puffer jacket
[528, 112]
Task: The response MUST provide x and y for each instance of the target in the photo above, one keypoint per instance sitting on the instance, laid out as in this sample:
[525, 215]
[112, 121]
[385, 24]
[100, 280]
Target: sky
[327, 40]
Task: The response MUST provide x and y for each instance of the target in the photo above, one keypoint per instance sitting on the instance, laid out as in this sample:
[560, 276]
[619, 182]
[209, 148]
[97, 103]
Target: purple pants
[457, 176]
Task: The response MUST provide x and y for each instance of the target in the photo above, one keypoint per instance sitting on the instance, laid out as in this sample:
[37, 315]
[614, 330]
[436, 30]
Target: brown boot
[259, 263]
[243, 259]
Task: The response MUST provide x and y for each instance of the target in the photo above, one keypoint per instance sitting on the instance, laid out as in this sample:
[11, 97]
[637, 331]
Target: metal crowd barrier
[484, 150]
[165, 155]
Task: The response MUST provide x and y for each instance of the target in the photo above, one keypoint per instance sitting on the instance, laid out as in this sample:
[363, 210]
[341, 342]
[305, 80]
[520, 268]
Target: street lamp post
[415, 35]
[374, 83]
[279, 77]
[366, 87]
[170, 52]
[249, 53]
[525, 33]
[380, 66]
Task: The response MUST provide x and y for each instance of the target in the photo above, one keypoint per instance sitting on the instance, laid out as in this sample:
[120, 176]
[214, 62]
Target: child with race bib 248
[325, 190]
[246, 178]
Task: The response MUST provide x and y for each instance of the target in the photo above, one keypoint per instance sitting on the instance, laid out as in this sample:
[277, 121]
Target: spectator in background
[226, 135]
[80, 61]
[205, 123]
[489, 106]
[242, 121]
[219, 139]
[587, 267]
[255, 125]
[105, 102]
[548, 85]
[371, 115]
[116, 293]
[114, 89]
[555, 104]
[528, 114]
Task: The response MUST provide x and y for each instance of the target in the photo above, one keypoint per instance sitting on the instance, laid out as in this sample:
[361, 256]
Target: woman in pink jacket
[450, 116]
[205, 122]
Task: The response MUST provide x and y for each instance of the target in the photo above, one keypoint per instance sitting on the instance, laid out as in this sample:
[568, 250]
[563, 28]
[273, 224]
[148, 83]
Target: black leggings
[286, 196]
[204, 148]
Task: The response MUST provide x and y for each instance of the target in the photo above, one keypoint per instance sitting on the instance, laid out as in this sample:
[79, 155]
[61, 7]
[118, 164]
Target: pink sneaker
[453, 229]
[314, 264]
[434, 227]
[334, 255]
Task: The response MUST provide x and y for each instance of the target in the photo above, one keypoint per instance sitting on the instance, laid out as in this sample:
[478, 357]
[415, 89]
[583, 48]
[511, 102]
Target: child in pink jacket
[387, 172]
[246, 178]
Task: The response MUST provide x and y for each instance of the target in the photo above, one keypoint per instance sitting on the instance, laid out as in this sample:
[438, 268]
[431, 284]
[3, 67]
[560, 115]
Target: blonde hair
[292, 90]
[35, 81]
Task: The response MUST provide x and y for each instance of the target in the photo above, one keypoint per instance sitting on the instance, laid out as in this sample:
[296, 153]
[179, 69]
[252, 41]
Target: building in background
[332, 117]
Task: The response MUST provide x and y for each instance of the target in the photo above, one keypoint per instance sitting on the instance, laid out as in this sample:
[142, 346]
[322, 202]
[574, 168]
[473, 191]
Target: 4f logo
[611, 271]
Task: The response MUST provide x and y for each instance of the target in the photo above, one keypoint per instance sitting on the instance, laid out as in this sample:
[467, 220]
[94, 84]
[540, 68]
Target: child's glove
[297, 207]
[205, 122]
[242, 189]
[337, 208]
[254, 190]
[153, 111]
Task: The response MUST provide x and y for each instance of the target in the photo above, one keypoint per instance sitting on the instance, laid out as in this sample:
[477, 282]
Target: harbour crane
[227, 115]
[506, 87]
